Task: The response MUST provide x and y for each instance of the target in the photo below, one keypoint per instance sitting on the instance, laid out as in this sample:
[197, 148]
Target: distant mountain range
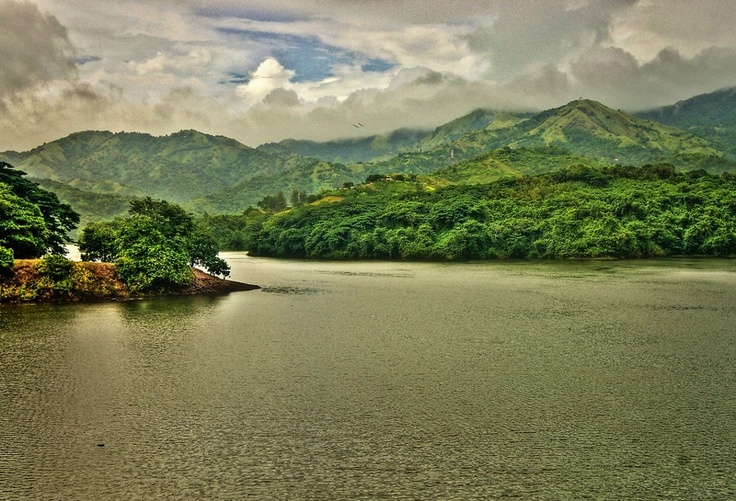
[584, 127]
[711, 116]
[98, 171]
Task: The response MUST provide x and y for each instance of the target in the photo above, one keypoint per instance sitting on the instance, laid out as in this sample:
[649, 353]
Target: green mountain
[589, 128]
[382, 148]
[715, 109]
[97, 172]
[353, 150]
[301, 173]
[584, 128]
[177, 167]
[712, 116]
[478, 120]
[188, 167]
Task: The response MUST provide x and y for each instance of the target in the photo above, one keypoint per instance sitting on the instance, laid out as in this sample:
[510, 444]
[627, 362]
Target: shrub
[6, 258]
[56, 267]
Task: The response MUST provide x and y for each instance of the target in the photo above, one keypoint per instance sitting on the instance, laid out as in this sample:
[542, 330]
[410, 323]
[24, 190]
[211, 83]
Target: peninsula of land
[90, 281]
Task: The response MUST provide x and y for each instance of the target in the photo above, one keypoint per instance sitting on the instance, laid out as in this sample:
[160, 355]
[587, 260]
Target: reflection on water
[606, 380]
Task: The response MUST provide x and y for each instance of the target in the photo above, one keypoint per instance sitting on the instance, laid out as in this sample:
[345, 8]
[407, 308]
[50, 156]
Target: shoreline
[94, 282]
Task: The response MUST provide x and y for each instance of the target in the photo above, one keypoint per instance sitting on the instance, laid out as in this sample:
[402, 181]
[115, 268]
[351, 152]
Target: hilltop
[583, 127]
[712, 116]
[179, 167]
[589, 128]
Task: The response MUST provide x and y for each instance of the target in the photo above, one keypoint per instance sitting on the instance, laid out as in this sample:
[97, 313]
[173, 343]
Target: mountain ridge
[214, 173]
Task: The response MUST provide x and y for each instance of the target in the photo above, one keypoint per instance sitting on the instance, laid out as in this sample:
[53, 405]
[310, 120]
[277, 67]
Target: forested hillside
[181, 167]
[583, 127]
[575, 212]
[353, 150]
[99, 173]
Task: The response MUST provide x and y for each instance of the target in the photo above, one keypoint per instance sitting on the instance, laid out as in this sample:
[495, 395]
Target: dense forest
[575, 212]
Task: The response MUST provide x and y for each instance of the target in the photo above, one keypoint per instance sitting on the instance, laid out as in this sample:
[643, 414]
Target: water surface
[603, 380]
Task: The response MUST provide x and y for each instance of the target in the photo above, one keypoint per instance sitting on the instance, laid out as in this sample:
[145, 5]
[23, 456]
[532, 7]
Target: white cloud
[269, 76]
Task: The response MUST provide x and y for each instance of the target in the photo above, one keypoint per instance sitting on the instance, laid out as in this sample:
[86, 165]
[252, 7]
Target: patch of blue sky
[243, 12]
[310, 58]
[84, 59]
[236, 78]
[377, 65]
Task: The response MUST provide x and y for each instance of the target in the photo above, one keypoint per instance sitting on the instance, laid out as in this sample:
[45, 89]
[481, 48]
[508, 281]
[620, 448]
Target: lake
[598, 379]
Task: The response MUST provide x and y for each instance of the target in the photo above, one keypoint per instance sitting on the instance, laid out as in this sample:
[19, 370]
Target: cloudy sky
[264, 70]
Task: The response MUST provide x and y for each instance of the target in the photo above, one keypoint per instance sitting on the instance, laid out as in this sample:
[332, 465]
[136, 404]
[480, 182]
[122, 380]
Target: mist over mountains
[98, 171]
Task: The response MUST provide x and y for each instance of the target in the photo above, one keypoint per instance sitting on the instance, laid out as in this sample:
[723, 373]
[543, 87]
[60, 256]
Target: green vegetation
[575, 212]
[91, 205]
[711, 116]
[235, 231]
[32, 220]
[348, 151]
[6, 259]
[490, 184]
[98, 173]
[154, 247]
[715, 109]
[54, 278]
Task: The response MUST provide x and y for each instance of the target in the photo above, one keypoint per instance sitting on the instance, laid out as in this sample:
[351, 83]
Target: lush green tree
[202, 249]
[98, 241]
[22, 227]
[58, 218]
[148, 259]
[154, 247]
[273, 203]
[168, 218]
[297, 197]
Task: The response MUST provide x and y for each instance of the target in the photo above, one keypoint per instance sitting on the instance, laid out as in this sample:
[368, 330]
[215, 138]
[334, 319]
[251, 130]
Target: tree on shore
[154, 247]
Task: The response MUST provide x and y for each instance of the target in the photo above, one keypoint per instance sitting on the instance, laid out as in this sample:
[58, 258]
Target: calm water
[602, 380]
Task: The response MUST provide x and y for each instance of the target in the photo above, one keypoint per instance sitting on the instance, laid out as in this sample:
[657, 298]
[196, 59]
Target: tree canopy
[155, 246]
[575, 212]
[33, 221]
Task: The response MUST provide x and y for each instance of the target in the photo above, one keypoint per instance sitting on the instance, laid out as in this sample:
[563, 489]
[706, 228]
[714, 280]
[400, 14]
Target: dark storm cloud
[536, 32]
[670, 76]
[34, 48]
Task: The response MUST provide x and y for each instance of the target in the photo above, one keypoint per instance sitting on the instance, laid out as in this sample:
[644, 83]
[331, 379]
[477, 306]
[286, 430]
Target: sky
[264, 70]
